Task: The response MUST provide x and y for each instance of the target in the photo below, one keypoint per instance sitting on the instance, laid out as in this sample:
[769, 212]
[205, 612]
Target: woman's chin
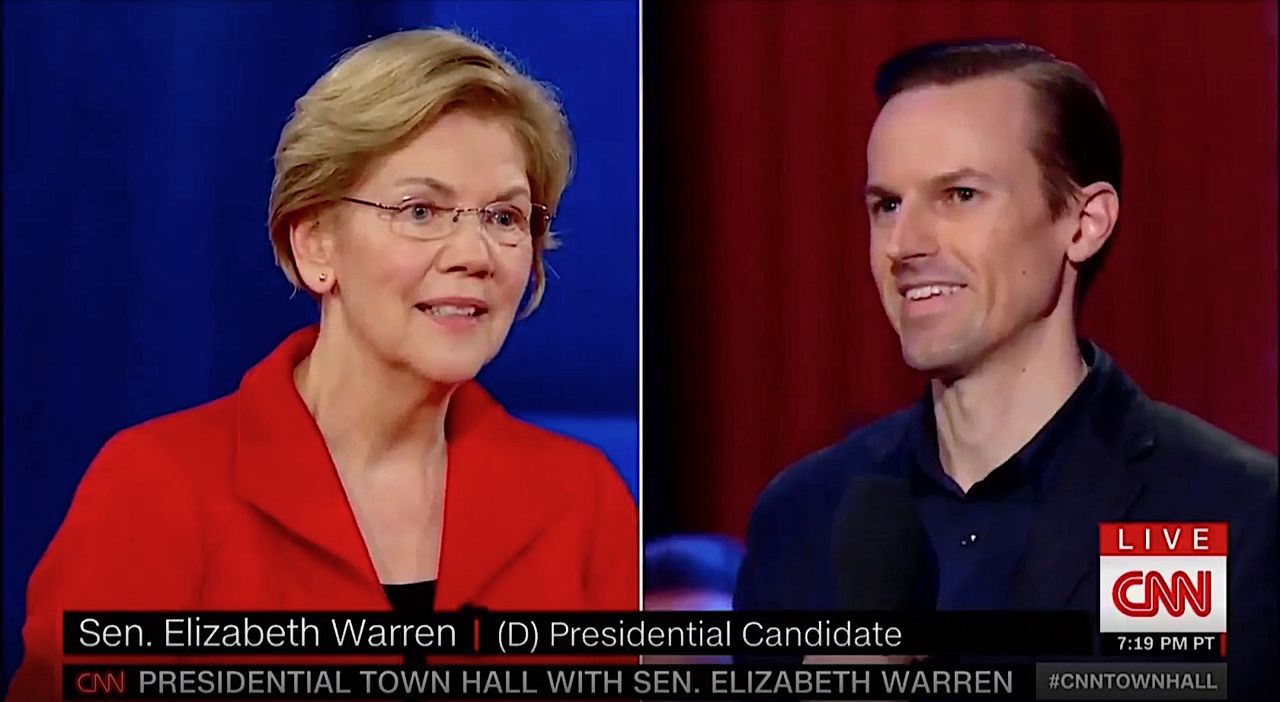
[448, 371]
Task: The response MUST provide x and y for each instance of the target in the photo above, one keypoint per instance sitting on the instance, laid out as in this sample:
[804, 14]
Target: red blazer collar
[495, 503]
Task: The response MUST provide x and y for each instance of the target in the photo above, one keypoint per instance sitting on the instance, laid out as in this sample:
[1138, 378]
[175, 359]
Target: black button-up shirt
[979, 537]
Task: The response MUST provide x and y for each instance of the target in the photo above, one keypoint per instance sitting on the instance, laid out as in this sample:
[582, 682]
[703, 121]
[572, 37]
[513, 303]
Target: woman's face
[441, 307]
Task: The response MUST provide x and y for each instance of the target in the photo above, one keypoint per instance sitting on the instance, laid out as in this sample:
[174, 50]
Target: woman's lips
[454, 313]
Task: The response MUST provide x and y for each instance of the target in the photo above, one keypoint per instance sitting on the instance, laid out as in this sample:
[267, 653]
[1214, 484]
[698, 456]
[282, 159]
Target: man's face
[963, 248]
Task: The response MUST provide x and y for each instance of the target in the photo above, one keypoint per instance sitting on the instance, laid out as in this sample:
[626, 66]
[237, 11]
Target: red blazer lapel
[283, 468]
[495, 503]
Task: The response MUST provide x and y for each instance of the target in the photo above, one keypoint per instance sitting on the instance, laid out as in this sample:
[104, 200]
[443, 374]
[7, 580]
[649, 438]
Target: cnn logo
[92, 683]
[1176, 597]
[1163, 577]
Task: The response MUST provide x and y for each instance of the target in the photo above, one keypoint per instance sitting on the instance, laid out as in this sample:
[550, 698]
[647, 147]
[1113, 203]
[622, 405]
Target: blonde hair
[381, 93]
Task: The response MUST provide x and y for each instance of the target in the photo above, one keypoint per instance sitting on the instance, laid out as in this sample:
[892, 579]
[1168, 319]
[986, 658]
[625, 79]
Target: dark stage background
[765, 339]
[138, 278]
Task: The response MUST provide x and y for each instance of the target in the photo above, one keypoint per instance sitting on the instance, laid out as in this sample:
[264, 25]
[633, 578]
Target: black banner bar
[269, 633]
[788, 633]
[688, 682]
[579, 633]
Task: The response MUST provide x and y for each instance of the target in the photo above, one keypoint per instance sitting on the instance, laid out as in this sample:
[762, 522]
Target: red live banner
[1162, 539]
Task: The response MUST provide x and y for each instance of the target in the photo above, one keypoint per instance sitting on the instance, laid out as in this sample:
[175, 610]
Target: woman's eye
[507, 217]
[420, 212]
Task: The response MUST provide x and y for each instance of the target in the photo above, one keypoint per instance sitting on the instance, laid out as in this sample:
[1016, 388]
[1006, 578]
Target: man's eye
[962, 194]
[884, 206]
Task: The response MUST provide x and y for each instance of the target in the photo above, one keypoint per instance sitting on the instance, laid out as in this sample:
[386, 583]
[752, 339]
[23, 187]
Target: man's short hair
[1079, 142]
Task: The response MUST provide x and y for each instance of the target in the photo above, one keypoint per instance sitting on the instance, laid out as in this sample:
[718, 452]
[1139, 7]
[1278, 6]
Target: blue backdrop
[138, 278]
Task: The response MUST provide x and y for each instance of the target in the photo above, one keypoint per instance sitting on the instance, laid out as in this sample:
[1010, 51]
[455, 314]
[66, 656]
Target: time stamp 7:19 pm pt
[1172, 643]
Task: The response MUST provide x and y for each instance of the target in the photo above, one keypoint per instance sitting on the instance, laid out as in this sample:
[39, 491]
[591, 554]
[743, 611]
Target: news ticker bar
[1046, 681]
[580, 633]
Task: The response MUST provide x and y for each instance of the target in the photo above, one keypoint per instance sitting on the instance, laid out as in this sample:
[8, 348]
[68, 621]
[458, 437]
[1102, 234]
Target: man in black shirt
[993, 190]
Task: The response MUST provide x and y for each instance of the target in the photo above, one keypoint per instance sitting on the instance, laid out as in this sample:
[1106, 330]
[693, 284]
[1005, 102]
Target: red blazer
[236, 504]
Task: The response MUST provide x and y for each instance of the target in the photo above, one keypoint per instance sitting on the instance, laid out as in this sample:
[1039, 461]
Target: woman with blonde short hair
[359, 466]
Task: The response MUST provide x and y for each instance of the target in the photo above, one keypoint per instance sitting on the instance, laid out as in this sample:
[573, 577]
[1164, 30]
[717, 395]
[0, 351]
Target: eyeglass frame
[540, 212]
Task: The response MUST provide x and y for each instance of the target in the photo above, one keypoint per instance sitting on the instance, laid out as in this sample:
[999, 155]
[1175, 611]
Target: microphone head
[879, 546]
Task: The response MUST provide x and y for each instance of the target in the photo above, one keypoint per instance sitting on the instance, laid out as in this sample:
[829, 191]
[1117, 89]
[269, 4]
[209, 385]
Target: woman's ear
[1097, 220]
[312, 243]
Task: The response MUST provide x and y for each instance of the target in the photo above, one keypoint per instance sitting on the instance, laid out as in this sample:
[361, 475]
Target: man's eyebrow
[940, 180]
[874, 190]
[959, 174]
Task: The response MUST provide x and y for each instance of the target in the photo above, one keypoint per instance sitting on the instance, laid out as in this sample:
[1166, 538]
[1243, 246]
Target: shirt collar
[1030, 463]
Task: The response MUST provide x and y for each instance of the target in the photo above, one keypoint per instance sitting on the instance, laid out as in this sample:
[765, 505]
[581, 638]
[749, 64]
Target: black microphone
[879, 547]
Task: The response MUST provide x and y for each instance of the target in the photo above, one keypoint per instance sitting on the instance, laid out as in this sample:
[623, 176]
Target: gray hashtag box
[1131, 681]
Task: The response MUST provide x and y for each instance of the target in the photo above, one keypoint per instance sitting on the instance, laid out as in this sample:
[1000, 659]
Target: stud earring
[323, 277]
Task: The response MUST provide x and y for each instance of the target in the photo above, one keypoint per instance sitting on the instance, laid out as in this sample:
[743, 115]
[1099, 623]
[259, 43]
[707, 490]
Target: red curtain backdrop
[773, 342]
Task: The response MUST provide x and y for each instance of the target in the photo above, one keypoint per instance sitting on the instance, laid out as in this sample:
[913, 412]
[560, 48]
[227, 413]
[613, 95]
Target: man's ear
[1097, 219]
[312, 242]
